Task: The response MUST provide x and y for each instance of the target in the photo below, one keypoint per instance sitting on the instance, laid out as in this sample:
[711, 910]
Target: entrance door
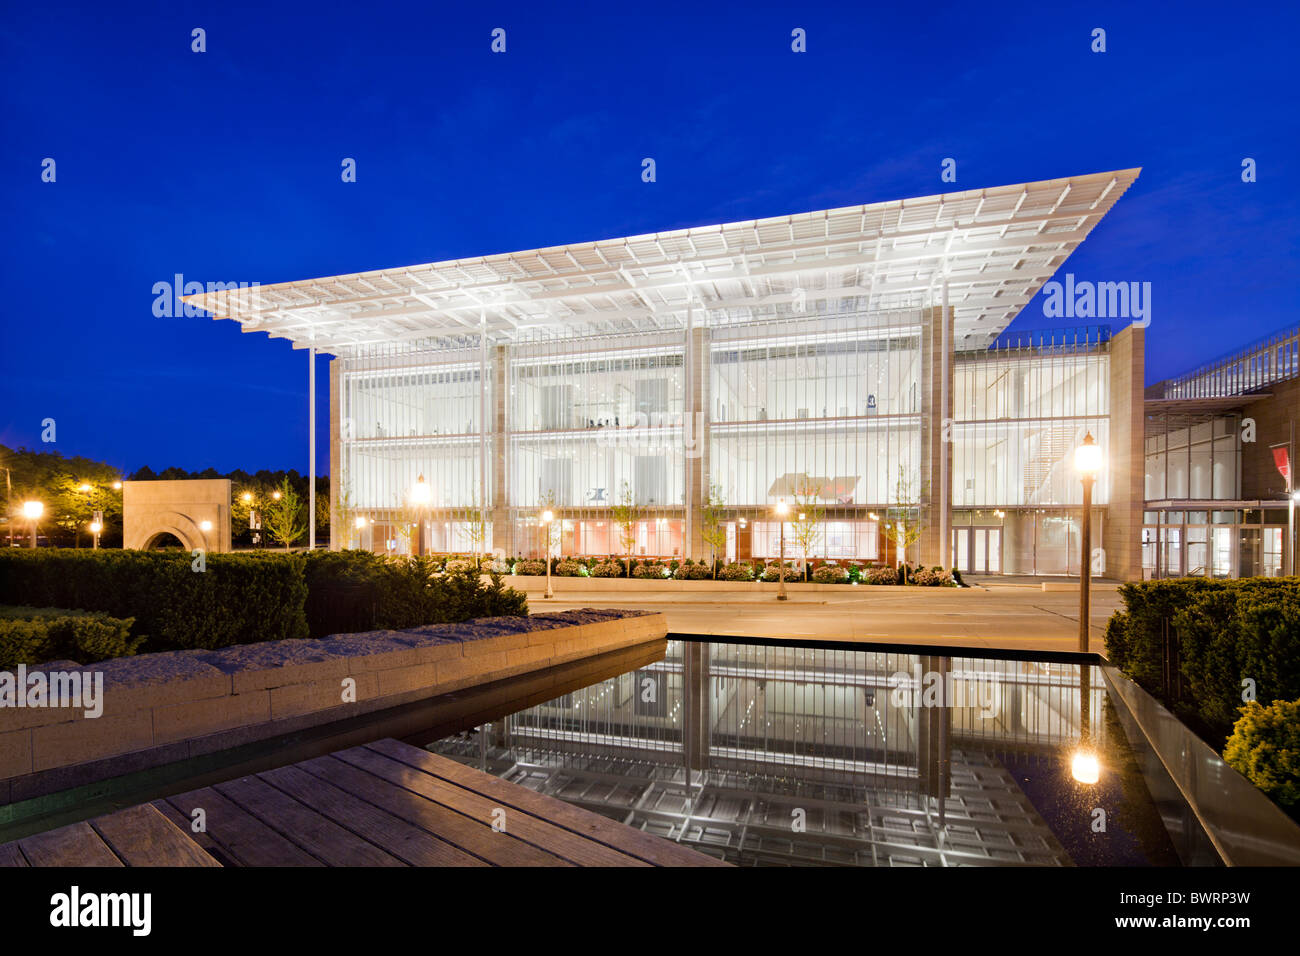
[977, 550]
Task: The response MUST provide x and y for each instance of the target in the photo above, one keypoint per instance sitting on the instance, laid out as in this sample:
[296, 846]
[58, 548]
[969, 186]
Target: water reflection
[765, 754]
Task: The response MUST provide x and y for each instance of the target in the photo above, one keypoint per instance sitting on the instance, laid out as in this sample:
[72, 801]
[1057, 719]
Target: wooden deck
[382, 804]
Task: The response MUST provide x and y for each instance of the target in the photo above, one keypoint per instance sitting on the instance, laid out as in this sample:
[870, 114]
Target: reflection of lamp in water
[1084, 766]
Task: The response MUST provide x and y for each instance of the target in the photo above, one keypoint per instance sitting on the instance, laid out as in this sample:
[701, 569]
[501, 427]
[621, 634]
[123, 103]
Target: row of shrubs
[1235, 646]
[689, 570]
[31, 635]
[248, 597]
[1225, 631]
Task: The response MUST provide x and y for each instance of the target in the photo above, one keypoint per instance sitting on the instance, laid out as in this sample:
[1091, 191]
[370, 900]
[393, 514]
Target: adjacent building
[852, 363]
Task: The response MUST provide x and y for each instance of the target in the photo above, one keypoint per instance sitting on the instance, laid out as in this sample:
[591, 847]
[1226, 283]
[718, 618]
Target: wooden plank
[236, 834]
[321, 837]
[74, 845]
[141, 836]
[10, 855]
[470, 834]
[390, 833]
[541, 833]
[644, 846]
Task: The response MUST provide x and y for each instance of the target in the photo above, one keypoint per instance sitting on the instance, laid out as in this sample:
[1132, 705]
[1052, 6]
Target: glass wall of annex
[1019, 412]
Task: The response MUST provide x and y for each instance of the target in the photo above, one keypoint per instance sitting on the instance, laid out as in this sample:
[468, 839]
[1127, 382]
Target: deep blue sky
[224, 166]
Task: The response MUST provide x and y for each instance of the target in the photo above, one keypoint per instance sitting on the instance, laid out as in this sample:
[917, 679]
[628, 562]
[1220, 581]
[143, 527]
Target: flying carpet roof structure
[994, 248]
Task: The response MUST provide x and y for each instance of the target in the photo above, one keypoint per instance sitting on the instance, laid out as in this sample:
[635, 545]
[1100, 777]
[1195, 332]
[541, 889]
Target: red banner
[1283, 462]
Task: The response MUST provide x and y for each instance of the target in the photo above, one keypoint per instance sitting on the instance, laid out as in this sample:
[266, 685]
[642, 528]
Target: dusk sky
[225, 166]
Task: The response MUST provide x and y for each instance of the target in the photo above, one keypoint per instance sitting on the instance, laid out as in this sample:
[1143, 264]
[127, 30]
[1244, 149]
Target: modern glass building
[851, 362]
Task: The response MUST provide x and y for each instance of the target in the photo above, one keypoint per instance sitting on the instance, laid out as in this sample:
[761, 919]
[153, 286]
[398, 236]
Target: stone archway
[195, 512]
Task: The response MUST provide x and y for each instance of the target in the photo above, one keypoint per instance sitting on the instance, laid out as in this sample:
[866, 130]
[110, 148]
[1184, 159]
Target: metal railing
[1274, 358]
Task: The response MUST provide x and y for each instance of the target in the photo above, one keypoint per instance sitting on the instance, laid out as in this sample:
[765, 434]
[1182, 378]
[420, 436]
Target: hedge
[1224, 632]
[247, 598]
[30, 635]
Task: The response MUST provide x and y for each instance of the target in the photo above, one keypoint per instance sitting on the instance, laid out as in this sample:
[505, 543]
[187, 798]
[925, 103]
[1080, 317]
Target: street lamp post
[421, 495]
[1087, 461]
[32, 511]
[782, 509]
[95, 528]
[547, 517]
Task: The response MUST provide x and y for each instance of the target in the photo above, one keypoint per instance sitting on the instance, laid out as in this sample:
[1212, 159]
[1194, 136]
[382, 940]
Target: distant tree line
[73, 488]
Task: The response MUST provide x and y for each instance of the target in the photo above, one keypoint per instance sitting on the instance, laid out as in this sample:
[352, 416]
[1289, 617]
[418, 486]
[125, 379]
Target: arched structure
[196, 512]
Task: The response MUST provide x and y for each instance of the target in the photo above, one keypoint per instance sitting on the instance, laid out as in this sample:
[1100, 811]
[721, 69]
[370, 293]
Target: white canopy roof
[994, 247]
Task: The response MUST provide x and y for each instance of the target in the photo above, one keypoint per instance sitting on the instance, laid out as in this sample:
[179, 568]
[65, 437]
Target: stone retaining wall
[158, 708]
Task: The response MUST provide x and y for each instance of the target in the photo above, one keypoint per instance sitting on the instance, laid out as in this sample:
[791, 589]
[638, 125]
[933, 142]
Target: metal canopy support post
[311, 450]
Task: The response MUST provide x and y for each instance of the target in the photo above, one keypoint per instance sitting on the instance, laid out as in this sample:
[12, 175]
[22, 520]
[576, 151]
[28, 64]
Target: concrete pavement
[1015, 614]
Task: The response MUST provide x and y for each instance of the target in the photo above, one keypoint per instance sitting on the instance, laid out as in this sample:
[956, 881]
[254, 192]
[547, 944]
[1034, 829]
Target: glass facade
[834, 412]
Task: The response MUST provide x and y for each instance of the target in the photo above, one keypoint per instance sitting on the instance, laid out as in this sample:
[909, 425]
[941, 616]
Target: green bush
[1226, 631]
[568, 568]
[1265, 749]
[649, 570]
[237, 599]
[607, 569]
[35, 635]
[738, 571]
[693, 572]
[830, 574]
[528, 566]
[880, 575]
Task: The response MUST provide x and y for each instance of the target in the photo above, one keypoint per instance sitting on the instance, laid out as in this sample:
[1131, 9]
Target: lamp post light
[782, 509]
[95, 529]
[547, 517]
[32, 511]
[1291, 502]
[1087, 461]
[360, 525]
[421, 494]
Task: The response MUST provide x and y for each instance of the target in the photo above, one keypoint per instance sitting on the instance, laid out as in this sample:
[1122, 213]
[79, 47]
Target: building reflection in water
[770, 754]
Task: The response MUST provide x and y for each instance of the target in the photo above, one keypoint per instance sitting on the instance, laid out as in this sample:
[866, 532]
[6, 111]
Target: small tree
[905, 521]
[712, 527]
[286, 518]
[345, 514]
[475, 529]
[626, 514]
[809, 515]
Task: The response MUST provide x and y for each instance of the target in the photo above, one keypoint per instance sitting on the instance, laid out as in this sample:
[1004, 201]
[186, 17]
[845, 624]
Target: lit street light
[95, 529]
[1087, 461]
[782, 509]
[32, 511]
[547, 517]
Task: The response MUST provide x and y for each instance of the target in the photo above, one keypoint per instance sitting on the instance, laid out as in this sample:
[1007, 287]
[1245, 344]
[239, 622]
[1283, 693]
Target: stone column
[695, 432]
[1125, 456]
[936, 441]
[499, 503]
[338, 536]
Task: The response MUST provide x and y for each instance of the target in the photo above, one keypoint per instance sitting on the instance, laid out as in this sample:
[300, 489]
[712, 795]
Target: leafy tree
[286, 517]
[713, 528]
[905, 520]
[626, 514]
[809, 515]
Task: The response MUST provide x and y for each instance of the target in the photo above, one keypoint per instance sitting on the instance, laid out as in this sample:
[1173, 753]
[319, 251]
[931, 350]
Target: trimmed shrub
[880, 575]
[1265, 749]
[529, 566]
[1225, 632]
[568, 568]
[31, 635]
[738, 571]
[693, 572]
[772, 572]
[607, 569]
[457, 565]
[649, 570]
[831, 574]
[932, 577]
[237, 599]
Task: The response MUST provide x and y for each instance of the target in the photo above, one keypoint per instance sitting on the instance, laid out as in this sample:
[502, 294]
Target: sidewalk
[1006, 615]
